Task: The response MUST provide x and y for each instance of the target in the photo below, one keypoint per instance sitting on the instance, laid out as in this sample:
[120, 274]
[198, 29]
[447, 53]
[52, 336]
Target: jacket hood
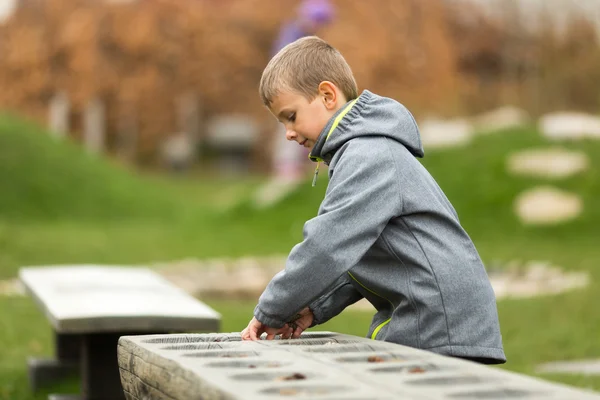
[370, 115]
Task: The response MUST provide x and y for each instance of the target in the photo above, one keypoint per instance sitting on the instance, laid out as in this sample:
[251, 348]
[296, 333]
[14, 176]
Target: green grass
[25, 332]
[58, 205]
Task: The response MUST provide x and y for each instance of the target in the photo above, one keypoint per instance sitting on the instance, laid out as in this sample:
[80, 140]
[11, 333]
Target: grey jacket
[386, 231]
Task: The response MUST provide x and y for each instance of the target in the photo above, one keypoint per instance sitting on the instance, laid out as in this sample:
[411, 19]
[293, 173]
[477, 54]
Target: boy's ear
[329, 95]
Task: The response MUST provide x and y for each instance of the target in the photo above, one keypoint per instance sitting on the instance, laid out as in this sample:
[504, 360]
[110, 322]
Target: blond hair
[301, 66]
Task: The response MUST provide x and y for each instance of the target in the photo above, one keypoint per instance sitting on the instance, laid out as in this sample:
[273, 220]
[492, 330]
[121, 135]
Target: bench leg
[100, 378]
[43, 372]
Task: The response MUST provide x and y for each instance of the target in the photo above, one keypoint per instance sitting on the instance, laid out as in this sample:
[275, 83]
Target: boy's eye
[292, 117]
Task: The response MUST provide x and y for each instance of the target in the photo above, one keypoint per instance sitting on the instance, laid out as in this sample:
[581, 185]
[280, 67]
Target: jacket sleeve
[334, 302]
[362, 196]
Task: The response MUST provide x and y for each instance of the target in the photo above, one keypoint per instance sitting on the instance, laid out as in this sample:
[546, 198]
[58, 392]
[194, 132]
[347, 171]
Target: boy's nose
[290, 134]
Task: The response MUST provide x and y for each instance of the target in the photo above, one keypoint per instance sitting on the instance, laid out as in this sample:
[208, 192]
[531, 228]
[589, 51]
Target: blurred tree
[142, 56]
[508, 57]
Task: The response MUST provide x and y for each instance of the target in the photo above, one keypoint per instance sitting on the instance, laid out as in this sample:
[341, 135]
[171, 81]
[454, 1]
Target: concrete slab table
[91, 306]
[318, 366]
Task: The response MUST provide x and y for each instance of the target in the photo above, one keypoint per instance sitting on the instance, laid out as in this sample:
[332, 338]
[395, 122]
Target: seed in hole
[277, 376]
[407, 369]
[375, 358]
[294, 377]
[351, 348]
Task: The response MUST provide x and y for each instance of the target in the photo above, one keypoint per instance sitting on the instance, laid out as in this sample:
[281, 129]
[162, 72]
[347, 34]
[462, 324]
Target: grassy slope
[139, 220]
[42, 178]
[61, 205]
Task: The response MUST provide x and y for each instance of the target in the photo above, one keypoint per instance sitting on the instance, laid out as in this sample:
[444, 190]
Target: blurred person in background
[290, 161]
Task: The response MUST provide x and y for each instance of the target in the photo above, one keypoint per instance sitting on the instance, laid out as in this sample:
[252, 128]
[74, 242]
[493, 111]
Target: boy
[384, 231]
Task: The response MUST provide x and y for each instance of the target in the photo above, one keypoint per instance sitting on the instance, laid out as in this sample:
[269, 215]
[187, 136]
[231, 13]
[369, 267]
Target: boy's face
[304, 120]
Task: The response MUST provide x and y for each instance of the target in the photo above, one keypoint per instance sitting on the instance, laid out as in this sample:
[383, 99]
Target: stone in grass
[274, 191]
[500, 119]
[547, 205]
[534, 278]
[437, 133]
[580, 367]
[547, 163]
[569, 126]
[244, 277]
[12, 287]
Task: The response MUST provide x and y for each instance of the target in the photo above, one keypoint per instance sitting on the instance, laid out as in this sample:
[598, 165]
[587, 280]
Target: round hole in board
[182, 339]
[250, 364]
[374, 358]
[317, 335]
[317, 342]
[448, 380]
[357, 348]
[496, 394]
[411, 369]
[282, 376]
[202, 346]
[222, 354]
[304, 390]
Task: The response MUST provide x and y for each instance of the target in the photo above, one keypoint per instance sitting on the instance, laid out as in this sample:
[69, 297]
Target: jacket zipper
[333, 126]
[384, 323]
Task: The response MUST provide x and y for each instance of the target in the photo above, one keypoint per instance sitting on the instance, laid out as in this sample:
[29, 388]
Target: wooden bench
[91, 306]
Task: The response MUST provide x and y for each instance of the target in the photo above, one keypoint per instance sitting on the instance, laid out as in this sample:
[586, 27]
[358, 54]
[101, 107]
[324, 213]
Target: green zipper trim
[336, 122]
[384, 323]
[381, 325]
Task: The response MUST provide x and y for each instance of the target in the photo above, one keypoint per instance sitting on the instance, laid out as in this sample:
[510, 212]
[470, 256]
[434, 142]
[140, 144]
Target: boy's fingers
[283, 331]
[270, 336]
[253, 333]
[287, 333]
[297, 333]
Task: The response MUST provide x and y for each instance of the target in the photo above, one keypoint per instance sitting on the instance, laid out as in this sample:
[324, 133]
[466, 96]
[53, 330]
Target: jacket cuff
[267, 320]
[318, 313]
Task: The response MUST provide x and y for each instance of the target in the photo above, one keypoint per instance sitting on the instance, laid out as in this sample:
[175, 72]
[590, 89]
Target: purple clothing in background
[318, 11]
[289, 33]
[289, 159]
[313, 12]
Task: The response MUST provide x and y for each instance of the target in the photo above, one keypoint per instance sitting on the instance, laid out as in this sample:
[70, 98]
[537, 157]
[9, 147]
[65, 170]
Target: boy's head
[304, 85]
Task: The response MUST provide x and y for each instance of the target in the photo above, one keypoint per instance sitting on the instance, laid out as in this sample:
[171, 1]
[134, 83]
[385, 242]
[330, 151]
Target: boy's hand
[256, 328]
[301, 322]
